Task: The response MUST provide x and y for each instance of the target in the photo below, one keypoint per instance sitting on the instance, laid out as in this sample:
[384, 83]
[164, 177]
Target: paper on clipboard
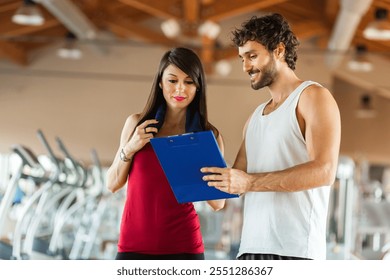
[182, 156]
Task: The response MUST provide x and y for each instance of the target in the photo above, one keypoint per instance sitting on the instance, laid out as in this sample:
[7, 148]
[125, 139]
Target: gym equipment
[68, 215]
[28, 168]
[358, 218]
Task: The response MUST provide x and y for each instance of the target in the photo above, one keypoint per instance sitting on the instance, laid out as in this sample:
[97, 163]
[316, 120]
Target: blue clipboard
[182, 156]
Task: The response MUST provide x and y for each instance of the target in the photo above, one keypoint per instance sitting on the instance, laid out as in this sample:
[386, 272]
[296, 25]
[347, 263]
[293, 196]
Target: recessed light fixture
[359, 61]
[209, 29]
[223, 67]
[379, 29]
[69, 49]
[28, 14]
[171, 28]
[365, 110]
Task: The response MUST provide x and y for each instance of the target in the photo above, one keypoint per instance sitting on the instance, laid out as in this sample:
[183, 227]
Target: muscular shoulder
[315, 96]
[316, 100]
[314, 93]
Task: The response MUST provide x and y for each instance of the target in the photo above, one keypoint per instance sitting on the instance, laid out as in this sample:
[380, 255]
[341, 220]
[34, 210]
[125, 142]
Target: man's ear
[280, 50]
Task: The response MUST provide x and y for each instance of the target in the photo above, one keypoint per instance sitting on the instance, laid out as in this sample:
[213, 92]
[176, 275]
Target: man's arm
[240, 161]
[319, 119]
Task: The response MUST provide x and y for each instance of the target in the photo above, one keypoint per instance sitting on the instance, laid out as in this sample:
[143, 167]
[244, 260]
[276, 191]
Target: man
[288, 158]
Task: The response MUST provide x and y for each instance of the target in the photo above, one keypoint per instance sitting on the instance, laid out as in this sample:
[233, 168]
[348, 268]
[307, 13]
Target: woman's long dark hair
[188, 62]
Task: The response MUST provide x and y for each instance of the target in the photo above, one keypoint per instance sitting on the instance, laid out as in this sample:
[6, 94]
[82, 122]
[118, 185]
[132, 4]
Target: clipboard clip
[188, 139]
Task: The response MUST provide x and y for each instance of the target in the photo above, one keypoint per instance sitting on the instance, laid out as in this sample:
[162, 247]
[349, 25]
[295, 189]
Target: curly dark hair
[269, 30]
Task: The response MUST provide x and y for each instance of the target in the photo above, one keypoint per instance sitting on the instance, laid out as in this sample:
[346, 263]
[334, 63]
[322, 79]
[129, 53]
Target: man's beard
[268, 75]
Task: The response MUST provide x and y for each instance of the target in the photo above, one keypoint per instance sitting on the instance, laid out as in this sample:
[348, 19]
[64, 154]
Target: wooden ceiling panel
[221, 10]
[129, 29]
[14, 52]
[191, 11]
[160, 9]
[381, 47]
[139, 20]
[6, 6]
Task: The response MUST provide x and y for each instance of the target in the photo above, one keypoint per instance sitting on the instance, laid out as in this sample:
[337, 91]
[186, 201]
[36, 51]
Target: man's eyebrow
[246, 53]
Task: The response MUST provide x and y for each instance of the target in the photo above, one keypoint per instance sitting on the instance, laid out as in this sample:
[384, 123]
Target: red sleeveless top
[153, 222]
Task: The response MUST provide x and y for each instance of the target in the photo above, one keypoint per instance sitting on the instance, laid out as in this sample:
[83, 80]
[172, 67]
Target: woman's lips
[179, 98]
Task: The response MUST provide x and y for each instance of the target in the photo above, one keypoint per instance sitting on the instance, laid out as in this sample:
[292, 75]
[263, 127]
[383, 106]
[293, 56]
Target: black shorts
[138, 256]
[247, 256]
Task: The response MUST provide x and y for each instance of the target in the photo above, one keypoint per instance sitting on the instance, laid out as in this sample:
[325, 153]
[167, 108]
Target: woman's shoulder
[133, 118]
[131, 121]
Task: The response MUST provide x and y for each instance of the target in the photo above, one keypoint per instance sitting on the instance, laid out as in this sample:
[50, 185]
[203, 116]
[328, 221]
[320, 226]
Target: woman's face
[178, 88]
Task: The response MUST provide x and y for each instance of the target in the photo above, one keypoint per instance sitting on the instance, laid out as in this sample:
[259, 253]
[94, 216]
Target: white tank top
[282, 223]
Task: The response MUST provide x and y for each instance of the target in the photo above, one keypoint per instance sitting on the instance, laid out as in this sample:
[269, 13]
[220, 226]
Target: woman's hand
[142, 135]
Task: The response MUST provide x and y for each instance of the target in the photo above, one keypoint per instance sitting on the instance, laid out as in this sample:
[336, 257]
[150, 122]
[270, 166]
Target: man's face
[259, 63]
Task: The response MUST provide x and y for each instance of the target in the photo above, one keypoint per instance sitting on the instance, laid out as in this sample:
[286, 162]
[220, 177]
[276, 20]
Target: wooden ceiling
[138, 20]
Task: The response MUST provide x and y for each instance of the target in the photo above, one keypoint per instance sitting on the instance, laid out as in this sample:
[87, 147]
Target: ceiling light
[380, 28]
[359, 62]
[223, 67]
[365, 110]
[209, 29]
[28, 14]
[69, 49]
[170, 28]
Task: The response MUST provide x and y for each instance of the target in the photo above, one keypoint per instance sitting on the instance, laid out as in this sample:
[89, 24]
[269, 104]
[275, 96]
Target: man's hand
[228, 180]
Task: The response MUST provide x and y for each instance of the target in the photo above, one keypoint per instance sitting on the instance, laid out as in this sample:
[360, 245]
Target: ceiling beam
[160, 9]
[302, 31]
[331, 10]
[21, 30]
[13, 52]
[382, 4]
[207, 54]
[128, 29]
[293, 12]
[378, 47]
[10, 7]
[227, 9]
[226, 53]
[191, 10]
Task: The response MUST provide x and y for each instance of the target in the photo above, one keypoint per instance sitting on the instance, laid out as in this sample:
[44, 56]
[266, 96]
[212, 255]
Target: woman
[154, 225]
